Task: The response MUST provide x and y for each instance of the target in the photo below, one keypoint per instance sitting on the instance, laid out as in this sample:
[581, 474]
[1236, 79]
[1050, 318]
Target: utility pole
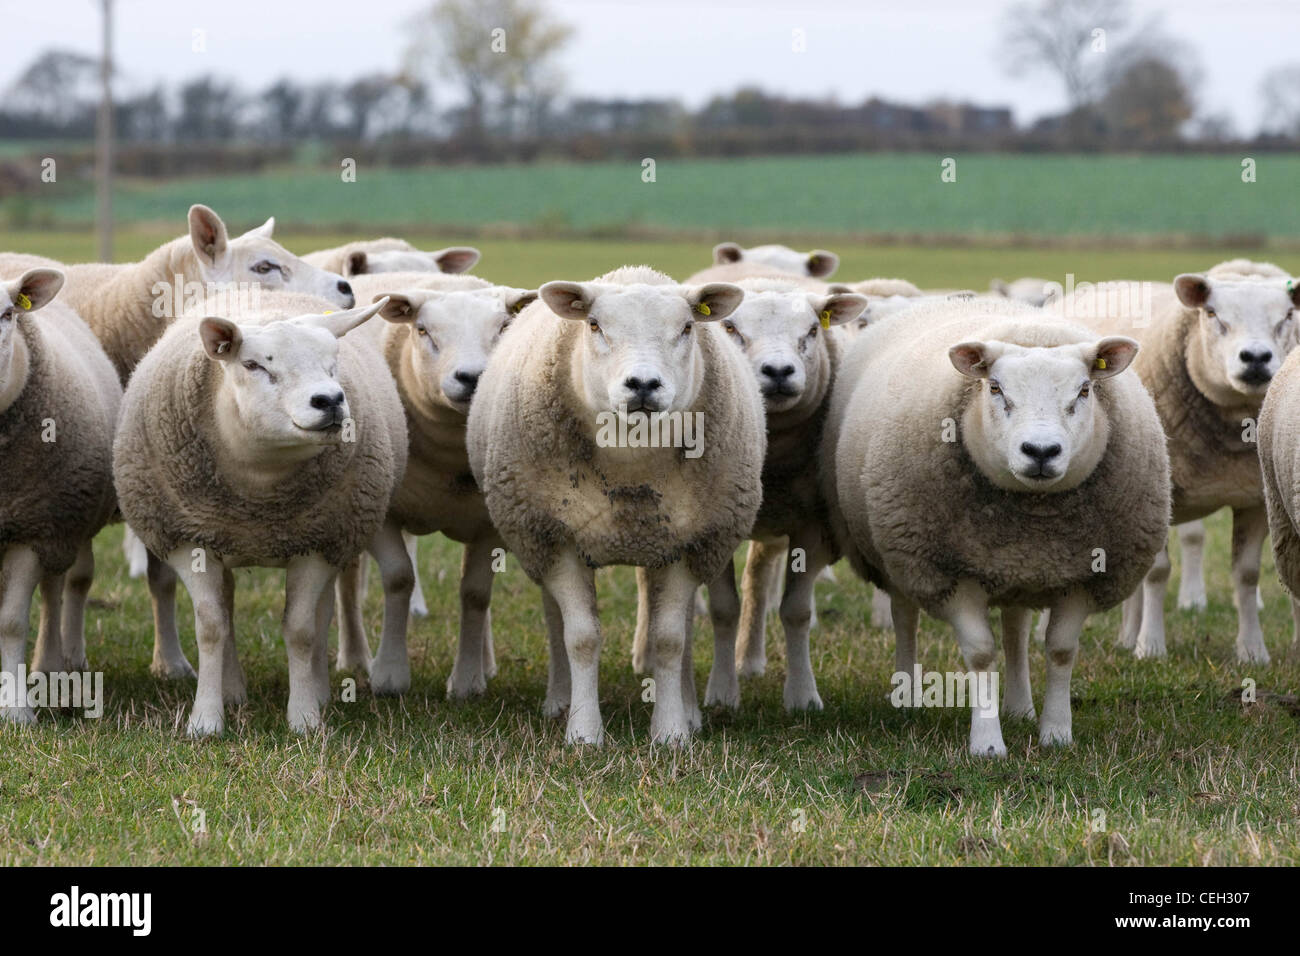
[104, 143]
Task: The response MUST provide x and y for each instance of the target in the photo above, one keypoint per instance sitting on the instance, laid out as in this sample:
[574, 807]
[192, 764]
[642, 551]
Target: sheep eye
[812, 332]
[731, 329]
[994, 388]
[252, 366]
[1085, 390]
[421, 330]
[264, 267]
[1211, 313]
[6, 314]
[595, 327]
[686, 329]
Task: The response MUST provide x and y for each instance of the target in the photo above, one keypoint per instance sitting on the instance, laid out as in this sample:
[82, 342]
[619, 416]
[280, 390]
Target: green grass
[884, 194]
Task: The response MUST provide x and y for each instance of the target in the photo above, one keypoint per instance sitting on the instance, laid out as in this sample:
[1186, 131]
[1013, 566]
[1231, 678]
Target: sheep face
[27, 293]
[1245, 329]
[280, 396]
[639, 353]
[818, 264]
[781, 333]
[455, 259]
[452, 335]
[1034, 423]
[257, 259]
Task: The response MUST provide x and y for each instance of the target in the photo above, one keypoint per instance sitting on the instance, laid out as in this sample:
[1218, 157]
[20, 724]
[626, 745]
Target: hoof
[390, 682]
[203, 724]
[172, 670]
[18, 716]
[460, 687]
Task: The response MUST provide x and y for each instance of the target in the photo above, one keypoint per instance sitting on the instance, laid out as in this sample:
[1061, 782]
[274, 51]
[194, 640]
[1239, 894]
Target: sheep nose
[1040, 453]
[468, 379]
[642, 387]
[326, 402]
[1262, 357]
[777, 374]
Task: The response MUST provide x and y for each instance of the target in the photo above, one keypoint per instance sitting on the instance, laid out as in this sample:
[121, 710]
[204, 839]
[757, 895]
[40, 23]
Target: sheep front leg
[233, 691]
[307, 578]
[797, 603]
[419, 608]
[1018, 697]
[641, 632]
[76, 592]
[881, 610]
[320, 657]
[208, 583]
[968, 613]
[349, 592]
[1191, 586]
[1130, 619]
[723, 688]
[48, 656]
[168, 659]
[573, 587]
[19, 575]
[391, 672]
[1249, 528]
[1150, 641]
[671, 594]
[905, 616]
[557, 662]
[751, 637]
[467, 674]
[1062, 647]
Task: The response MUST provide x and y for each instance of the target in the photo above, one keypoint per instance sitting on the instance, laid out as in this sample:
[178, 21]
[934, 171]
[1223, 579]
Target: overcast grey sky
[910, 50]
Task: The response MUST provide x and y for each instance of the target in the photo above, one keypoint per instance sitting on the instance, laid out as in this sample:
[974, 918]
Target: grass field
[880, 194]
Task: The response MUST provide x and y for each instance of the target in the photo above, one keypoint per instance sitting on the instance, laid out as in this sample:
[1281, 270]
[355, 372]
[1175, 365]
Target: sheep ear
[356, 264]
[221, 338]
[714, 301]
[1293, 290]
[568, 300]
[725, 252]
[519, 299]
[1192, 289]
[35, 288]
[971, 358]
[340, 324]
[838, 287]
[822, 263]
[838, 307]
[264, 231]
[1110, 356]
[402, 306]
[208, 234]
[456, 259]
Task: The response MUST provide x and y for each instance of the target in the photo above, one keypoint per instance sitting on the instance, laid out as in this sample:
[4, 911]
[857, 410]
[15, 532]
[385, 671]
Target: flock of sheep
[963, 451]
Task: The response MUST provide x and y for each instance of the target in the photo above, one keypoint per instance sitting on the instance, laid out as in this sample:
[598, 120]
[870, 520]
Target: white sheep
[1027, 290]
[585, 438]
[817, 264]
[1279, 453]
[392, 255]
[436, 343]
[1211, 344]
[59, 398]
[979, 454]
[265, 442]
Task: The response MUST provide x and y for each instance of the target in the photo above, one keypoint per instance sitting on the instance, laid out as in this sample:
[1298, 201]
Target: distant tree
[1060, 37]
[281, 105]
[208, 109]
[1148, 101]
[1280, 95]
[144, 118]
[60, 86]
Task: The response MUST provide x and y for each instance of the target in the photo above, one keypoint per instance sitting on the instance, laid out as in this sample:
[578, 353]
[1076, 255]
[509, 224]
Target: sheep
[391, 255]
[1279, 452]
[558, 442]
[273, 442]
[1211, 344]
[784, 333]
[59, 398]
[817, 264]
[1030, 291]
[437, 340]
[884, 297]
[1034, 475]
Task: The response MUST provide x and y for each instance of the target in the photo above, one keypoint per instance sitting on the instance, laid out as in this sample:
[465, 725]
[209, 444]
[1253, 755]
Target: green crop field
[874, 194]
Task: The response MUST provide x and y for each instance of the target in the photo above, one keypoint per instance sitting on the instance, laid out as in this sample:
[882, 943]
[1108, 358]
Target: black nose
[1262, 357]
[345, 287]
[1040, 453]
[468, 379]
[642, 387]
[326, 402]
[777, 374]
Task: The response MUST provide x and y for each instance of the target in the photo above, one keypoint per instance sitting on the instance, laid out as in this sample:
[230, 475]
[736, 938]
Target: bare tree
[1148, 102]
[1280, 95]
[1062, 37]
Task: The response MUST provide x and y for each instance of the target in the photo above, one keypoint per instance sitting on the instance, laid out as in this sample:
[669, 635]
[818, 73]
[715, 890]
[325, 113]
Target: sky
[905, 50]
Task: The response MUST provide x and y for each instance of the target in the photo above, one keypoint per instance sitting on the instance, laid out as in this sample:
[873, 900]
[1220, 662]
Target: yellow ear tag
[1101, 363]
[826, 319]
[703, 309]
[328, 312]
[24, 303]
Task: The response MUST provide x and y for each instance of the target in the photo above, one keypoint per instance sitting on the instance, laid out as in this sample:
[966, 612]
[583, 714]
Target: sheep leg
[723, 688]
[418, 606]
[1249, 528]
[968, 613]
[557, 663]
[1040, 629]
[1062, 648]
[489, 652]
[796, 619]
[751, 636]
[641, 633]
[1150, 641]
[307, 578]
[233, 691]
[214, 630]
[1295, 627]
[573, 587]
[690, 698]
[76, 591]
[19, 575]
[320, 657]
[881, 611]
[349, 592]
[671, 594]
[1130, 621]
[1191, 585]
[1018, 697]
[467, 676]
[48, 655]
[391, 671]
[137, 555]
[905, 616]
[168, 659]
